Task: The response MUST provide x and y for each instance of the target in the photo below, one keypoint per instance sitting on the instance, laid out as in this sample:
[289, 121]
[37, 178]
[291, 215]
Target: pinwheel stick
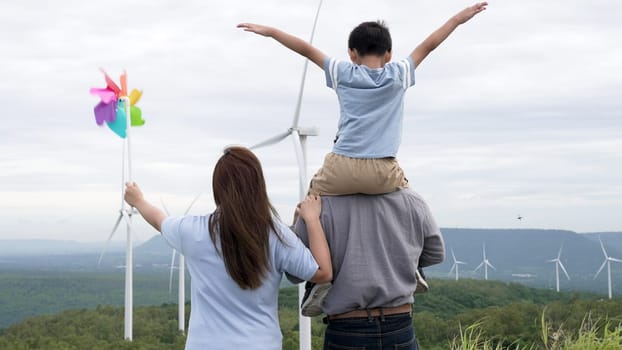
[115, 104]
[129, 293]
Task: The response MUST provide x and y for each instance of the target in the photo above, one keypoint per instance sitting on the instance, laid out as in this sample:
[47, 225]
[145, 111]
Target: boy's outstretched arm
[436, 38]
[291, 42]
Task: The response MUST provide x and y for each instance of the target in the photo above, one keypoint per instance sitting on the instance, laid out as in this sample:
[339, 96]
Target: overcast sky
[518, 112]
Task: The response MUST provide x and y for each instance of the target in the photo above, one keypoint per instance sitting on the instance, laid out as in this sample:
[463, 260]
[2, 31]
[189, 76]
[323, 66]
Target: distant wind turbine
[558, 264]
[485, 264]
[456, 265]
[181, 291]
[607, 262]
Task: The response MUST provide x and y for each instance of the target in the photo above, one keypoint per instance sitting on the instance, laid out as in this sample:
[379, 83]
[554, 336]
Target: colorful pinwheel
[111, 109]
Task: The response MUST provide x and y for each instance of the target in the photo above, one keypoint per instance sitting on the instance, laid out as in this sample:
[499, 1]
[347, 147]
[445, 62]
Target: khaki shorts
[344, 175]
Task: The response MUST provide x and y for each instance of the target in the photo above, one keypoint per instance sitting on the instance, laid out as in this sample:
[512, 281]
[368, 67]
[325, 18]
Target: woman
[236, 256]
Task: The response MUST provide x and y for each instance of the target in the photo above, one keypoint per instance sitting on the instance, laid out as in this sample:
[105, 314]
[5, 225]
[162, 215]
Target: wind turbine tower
[299, 136]
[456, 265]
[558, 264]
[607, 262]
[485, 264]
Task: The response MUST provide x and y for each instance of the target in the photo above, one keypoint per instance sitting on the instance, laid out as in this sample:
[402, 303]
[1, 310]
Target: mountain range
[519, 255]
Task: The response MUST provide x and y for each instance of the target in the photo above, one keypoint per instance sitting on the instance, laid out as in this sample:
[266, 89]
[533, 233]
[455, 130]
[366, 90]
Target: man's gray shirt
[376, 243]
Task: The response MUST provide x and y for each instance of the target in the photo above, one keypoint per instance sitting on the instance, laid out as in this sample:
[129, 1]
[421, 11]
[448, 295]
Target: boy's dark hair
[370, 38]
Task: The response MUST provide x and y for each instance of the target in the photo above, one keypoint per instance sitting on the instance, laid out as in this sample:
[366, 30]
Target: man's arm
[291, 42]
[152, 214]
[436, 38]
[433, 251]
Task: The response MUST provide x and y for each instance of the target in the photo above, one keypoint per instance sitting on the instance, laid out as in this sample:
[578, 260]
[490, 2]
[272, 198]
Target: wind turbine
[485, 263]
[558, 264]
[125, 214]
[299, 136]
[456, 264]
[181, 291]
[607, 262]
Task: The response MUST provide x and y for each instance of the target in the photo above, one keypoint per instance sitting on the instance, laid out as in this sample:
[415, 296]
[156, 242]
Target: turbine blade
[114, 228]
[564, 269]
[164, 207]
[300, 92]
[170, 278]
[559, 254]
[317, 15]
[489, 264]
[603, 247]
[453, 255]
[192, 203]
[460, 262]
[484, 250]
[304, 72]
[453, 267]
[478, 267]
[271, 141]
[601, 268]
[614, 259]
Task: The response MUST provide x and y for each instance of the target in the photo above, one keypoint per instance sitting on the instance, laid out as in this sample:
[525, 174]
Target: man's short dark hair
[370, 38]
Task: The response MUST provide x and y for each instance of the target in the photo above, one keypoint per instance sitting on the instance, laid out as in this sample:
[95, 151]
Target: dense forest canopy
[510, 313]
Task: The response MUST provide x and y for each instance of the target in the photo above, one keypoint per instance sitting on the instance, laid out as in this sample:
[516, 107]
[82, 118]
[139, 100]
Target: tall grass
[592, 335]
[472, 338]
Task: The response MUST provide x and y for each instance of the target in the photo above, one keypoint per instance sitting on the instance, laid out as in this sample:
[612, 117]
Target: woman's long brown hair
[243, 217]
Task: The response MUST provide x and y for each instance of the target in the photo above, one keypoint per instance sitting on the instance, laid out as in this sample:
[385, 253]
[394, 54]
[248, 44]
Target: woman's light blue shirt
[224, 316]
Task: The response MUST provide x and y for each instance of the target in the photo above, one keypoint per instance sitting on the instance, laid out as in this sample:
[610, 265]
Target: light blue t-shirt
[224, 316]
[371, 102]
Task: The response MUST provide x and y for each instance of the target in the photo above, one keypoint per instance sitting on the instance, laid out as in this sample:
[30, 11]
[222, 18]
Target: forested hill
[507, 311]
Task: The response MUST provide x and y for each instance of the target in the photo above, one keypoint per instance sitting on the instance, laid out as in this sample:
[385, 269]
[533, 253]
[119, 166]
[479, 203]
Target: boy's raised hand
[470, 11]
[292, 42]
[256, 28]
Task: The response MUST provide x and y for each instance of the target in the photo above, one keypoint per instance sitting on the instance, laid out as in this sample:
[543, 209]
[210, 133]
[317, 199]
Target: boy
[371, 94]
[371, 98]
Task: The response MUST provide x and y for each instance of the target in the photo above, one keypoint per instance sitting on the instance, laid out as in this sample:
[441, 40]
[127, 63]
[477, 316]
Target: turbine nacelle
[301, 131]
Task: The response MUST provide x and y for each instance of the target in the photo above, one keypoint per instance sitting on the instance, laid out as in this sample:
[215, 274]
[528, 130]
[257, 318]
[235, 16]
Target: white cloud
[518, 110]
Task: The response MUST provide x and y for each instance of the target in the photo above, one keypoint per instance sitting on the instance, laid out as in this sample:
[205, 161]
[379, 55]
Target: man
[376, 243]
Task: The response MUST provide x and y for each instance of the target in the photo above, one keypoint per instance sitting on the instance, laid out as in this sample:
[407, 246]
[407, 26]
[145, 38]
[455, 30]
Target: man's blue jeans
[371, 333]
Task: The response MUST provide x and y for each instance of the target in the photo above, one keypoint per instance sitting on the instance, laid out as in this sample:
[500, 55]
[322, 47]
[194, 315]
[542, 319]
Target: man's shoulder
[404, 194]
